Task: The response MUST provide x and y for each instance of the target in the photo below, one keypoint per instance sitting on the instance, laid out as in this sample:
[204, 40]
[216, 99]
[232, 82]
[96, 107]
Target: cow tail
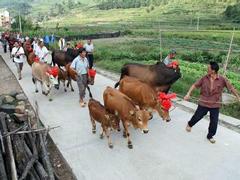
[124, 72]
[33, 80]
[53, 62]
[90, 93]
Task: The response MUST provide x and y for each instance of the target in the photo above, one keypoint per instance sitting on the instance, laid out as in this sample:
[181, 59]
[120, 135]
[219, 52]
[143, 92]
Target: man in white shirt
[61, 43]
[42, 51]
[35, 45]
[17, 54]
[89, 48]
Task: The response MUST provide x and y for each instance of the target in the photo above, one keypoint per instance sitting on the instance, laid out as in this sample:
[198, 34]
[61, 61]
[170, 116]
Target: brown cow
[46, 75]
[118, 103]
[62, 77]
[30, 55]
[143, 95]
[98, 113]
[158, 75]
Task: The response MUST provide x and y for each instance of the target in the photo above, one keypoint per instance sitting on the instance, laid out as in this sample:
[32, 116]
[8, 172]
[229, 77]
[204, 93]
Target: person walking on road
[4, 43]
[80, 65]
[168, 60]
[17, 55]
[46, 41]
[35, 44]
[211, 88]
[52, 38]
[42, 51]
[61, 43]
[89, 48]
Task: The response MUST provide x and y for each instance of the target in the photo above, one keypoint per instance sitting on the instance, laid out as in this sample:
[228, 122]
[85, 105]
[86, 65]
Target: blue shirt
[52, 38]
[46, 39]
[80, 65]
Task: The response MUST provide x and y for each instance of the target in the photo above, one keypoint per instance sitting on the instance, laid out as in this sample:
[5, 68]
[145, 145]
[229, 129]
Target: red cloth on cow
[53, 71]
[92, 72]
[165, 99]
[36, 59]
[79, 45]
[173, 64]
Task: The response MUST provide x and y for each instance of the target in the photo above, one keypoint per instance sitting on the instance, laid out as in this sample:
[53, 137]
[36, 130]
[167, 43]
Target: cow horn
[131, 112]
[150, 110]
[107, 116]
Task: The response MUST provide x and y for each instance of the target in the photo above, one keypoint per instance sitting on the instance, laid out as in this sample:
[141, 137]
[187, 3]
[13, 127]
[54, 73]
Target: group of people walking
[18, 54]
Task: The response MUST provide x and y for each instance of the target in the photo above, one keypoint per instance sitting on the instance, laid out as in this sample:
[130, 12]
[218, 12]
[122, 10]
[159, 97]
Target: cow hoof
[94, 131]
[36, 91]
[101, 136]
[65, 90]
[124, 135]
[72, 90]
[130, 146]
[168, 120]
[50, 99]
[119, 129]
[110, 146]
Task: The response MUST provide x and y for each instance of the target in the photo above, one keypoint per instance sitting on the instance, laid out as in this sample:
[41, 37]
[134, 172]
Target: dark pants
[90, 60]
[200, 113]
[5, 48]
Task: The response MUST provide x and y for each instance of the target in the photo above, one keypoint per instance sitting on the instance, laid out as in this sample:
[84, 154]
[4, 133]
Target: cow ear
[138, 108]
[131, 112]
[47, 74]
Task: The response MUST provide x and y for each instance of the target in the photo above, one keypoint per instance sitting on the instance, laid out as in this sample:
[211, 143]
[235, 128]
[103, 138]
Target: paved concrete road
[167, 152]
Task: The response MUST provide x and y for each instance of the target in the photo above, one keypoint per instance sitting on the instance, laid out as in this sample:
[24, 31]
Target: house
[5, 20]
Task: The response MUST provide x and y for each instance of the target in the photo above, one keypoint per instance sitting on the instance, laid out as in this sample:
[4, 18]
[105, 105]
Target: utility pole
[228, 55]
[160, 40]
[198, 24]
[20, 23]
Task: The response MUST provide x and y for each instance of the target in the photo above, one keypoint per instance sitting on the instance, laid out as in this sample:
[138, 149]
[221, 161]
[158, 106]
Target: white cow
[46, 75]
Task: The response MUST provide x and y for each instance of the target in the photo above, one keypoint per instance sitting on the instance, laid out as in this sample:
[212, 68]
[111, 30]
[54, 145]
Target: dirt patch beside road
[8, 82]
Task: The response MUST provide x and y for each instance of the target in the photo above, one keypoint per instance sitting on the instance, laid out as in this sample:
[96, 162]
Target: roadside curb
[226, 121]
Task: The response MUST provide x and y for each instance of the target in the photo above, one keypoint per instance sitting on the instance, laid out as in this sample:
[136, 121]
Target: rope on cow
[218, 102]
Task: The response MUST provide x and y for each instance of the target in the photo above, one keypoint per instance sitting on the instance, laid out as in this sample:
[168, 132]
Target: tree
[26, 23]
[233, 13]
[70, 4]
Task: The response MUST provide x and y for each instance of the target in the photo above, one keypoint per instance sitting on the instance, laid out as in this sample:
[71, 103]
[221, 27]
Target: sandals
[188, 128]
[83, 104]
[211, 140]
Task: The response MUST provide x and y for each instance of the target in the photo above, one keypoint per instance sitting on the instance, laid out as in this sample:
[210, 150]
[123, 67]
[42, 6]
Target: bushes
[203, 56]
[233, 13]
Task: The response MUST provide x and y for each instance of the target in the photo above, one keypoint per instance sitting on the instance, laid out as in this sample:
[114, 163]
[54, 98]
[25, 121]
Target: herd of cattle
[53, 75]
[142, 89]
